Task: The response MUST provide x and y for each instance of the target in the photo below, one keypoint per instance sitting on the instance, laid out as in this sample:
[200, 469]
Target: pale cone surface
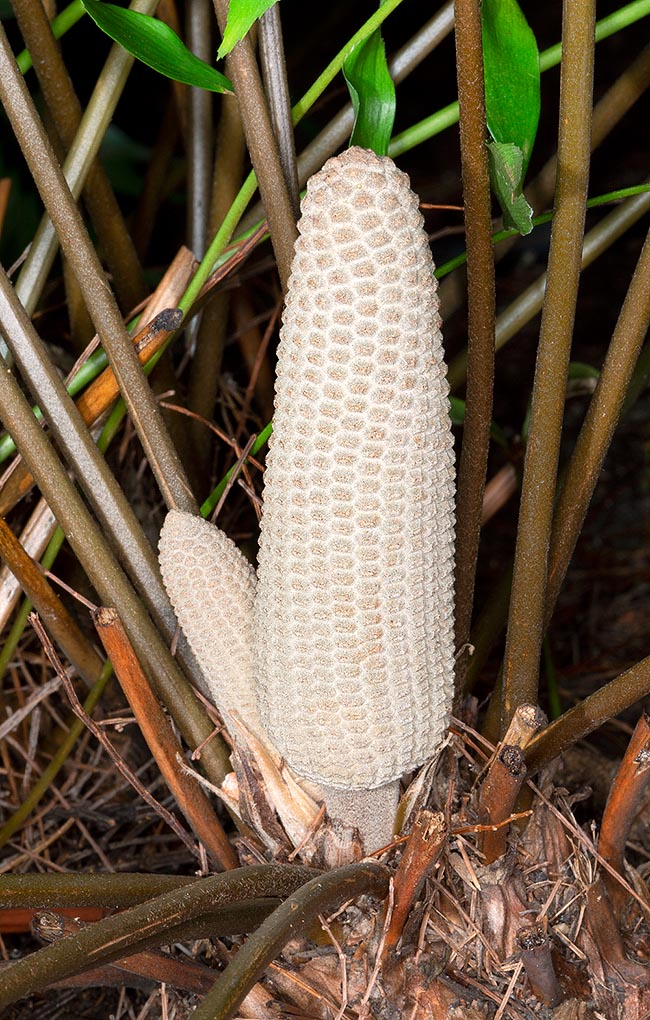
[353, 633]
[211, 586]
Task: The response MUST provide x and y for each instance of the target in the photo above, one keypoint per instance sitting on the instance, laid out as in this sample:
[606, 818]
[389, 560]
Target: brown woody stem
[160, 737]
[481, 311]
[622, 805]
[526, 619]
[424, 846]
[535, 954]
[499, 792]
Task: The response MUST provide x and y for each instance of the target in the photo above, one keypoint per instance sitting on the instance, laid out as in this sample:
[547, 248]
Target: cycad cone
[353, 631]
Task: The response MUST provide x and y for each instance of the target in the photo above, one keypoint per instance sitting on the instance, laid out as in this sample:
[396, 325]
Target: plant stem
[205, 367]
[623, 805]
[526, 619]
[598, 427]
[61, 24]
[481, 314]
[56, 617]
[65, 110]
[339, 128]
[589, 714]
[109, 502]
[40, 891]
[107, 577]
[93, 125]
[448, 115]
[499, 791]
[262, 146]
[97, 296]
[274, 71]
[161, 738]
[599, 239]
[199, 131]
[320, 896]
[147, 924]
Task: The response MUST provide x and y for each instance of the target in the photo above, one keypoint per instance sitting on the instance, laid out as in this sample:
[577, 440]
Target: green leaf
[581, 370]
[241, 15]
[506, 162]
[511, 61]
[372, 91]
[156, 45]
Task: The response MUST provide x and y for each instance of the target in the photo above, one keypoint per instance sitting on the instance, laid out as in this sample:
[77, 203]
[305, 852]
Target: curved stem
[148, 924]
[320, 896]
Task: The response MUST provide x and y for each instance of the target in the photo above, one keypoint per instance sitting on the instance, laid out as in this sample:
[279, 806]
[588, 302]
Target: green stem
[400, 65]
[108, 579]
[612, 699]
[97, 117]
[227, 228]
[65, 111]
[528, 304]
[145, 925]
[93, 473]
[61, 24]
[526, 618]
[98, 298]
[599, 425]
[241, 67]
[327, 76]
[320, 896]
[208, 506]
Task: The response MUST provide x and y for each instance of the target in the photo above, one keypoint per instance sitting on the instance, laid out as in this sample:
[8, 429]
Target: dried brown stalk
[622, 805]
[525, 723]
[536, 958]
[58, 620]
[501, 786]
[420, 855]
[603, 931]
[160, 737]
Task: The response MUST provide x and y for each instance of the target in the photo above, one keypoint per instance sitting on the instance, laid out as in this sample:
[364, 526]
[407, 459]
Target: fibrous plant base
[479, 943]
